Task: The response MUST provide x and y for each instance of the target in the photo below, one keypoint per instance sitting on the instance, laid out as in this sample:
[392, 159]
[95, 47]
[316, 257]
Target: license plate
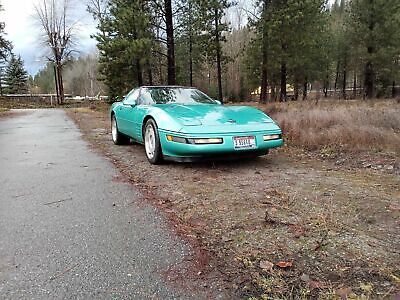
[244, 142]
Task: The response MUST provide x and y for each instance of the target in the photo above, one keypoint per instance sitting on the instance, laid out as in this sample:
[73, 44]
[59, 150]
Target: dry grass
[340, 125]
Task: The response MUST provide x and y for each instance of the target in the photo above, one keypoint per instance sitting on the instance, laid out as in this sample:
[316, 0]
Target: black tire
[117, 137]
[157, 156]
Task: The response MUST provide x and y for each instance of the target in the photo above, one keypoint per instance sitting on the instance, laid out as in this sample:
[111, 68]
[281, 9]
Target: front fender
[112, 108]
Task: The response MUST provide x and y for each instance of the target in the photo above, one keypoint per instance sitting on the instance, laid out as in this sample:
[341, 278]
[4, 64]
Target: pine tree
[213, 29]
[291, 35]
[125, 44]
[189, 42]
[16, 78]
[375, 30]
[5, 46]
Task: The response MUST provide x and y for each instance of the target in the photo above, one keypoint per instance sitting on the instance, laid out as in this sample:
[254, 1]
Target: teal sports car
[184, 124]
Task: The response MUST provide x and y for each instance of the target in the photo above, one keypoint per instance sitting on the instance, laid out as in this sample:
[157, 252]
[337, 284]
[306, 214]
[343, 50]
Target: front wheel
[117, 137]
[152, 143]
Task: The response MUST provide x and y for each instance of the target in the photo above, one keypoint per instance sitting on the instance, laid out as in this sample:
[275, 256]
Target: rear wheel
[117, 137]
[152, 143]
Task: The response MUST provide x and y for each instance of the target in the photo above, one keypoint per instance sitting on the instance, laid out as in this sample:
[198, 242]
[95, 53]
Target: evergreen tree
[125, 44]
[5, 46]
[5, 51]
[44, 79]
[375, 29]
[189, 43]
[213, 29]
[291, 37]
[16, 78]
[164, 13]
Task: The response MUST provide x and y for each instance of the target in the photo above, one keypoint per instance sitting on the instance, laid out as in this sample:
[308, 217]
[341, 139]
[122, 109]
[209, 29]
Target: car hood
[215, 115]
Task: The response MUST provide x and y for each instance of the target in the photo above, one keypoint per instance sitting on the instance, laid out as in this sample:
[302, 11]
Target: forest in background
[266, 50]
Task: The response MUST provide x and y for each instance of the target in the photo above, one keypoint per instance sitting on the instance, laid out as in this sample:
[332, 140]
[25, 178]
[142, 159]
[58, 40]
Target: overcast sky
[22, 31]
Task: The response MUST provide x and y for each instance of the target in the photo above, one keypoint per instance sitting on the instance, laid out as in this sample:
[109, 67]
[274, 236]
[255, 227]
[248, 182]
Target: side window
[145, 97]
[132, 97]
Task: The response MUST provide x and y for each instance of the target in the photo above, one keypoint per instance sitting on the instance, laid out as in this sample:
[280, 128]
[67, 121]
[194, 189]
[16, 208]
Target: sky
[22, 30]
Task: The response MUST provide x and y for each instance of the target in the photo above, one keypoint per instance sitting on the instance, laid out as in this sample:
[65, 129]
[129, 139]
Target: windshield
[164, 95]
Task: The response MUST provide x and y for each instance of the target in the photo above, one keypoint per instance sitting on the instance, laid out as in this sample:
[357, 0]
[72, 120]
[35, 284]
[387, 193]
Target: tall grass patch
[344, 125]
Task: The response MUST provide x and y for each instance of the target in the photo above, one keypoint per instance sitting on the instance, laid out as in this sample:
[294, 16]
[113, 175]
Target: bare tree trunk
[190, 46]
[305, 86]
[264, 83]
[274, 93]
[218, 47]
[355, 85]
[190, 61]
[264, 67]
[337, 76]
[326, 86]
[170, 42]
[60, 83]
[56, 84]
[139, 73]
[296, 90]
[283, 93]
[369, 68]
[161, 73]
[150, 73]
[264, 63]
[369, 81]
[1, 82]
[344, 82]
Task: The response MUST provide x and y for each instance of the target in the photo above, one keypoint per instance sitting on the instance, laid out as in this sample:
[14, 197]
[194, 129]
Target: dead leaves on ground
[268, 266]
[284, 264]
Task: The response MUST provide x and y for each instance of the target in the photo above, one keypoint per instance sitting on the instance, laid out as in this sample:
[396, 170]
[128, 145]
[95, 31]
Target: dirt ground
[290, 225]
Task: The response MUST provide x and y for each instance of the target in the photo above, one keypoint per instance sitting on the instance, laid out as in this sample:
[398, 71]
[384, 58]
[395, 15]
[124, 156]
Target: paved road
[60, 235]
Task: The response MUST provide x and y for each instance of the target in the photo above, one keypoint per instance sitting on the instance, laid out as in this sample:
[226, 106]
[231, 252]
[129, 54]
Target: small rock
[394, 207]
[305, 277]
[266, 265]
[343, 293]
[226, 239]
[114, 204]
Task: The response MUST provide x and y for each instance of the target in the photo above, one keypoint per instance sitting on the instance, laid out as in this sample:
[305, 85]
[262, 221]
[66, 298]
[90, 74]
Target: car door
[126, 113]
[143, 105]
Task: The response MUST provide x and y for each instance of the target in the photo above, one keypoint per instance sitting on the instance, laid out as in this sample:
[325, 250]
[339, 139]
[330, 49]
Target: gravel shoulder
[288, 225]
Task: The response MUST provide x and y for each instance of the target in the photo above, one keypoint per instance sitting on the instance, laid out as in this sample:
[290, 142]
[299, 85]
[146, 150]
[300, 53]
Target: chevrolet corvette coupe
[184, 124]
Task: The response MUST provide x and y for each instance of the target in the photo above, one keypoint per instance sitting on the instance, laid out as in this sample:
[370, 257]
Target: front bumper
[182, 151]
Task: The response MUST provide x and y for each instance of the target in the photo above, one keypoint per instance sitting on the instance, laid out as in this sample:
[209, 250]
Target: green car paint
[191, 121]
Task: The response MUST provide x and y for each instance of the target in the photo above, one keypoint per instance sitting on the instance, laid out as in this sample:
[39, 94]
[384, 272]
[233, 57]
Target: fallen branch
[59, 201]
[63, 272]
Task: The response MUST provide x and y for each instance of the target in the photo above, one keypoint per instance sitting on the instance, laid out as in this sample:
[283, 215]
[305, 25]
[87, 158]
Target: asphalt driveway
[68, 230]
